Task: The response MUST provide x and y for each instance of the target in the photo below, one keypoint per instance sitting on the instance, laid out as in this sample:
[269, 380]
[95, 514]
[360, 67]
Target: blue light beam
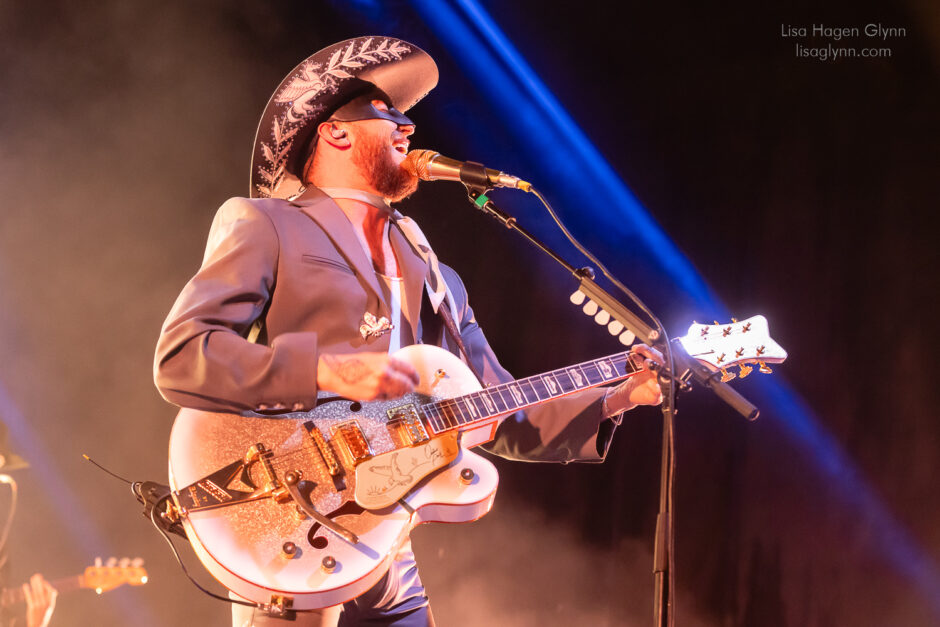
[538, 120]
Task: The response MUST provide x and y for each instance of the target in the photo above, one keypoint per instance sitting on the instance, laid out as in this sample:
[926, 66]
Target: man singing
[311, 284]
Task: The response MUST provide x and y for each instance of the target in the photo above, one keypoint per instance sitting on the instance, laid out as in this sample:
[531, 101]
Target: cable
[113, 474]
[179, 560]
[584, 251]
[669, 406]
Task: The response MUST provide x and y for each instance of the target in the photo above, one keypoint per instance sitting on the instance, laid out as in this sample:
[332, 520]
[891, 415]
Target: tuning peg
[764, 368]
[112, 562]
[726, 332]
[739, 352]
[627, 337]
[733, 320]
[602, 317]
[717, 323]
[615, 327]
[745, 370]
[746, 328]
[577, 297]
[726, 376]
[704, 331]
[124, 562]
[98, 562]
[137, 562]
[590, 308]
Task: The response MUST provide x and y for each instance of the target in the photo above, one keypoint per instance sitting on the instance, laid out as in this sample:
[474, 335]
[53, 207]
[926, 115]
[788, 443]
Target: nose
[406, 129]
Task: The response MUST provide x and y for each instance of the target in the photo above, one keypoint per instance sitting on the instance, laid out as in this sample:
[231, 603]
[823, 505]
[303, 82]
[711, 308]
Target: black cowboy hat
[319, 85]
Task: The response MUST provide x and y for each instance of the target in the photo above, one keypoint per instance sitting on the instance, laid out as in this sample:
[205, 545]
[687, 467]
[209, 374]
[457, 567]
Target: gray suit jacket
[299, 266]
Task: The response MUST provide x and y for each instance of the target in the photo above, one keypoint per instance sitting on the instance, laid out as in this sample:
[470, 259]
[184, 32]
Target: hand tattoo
[350, 370]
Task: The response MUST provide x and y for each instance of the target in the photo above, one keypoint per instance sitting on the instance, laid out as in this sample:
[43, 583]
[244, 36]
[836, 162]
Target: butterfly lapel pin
[374, 327]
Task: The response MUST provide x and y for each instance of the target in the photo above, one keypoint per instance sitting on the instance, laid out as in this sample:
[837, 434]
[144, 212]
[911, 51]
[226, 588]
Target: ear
[334, 135]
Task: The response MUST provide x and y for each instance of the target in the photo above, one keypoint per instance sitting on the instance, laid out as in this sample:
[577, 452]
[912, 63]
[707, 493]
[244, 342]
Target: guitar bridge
[323, 447]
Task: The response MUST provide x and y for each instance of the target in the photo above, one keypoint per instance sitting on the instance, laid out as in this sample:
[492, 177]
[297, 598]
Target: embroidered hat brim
[318, 86]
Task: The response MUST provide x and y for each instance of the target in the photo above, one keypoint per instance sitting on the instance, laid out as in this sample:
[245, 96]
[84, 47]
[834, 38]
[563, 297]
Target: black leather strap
[444, 312]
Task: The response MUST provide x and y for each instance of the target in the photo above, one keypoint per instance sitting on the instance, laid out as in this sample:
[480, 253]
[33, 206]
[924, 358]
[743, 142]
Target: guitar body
[240, 535]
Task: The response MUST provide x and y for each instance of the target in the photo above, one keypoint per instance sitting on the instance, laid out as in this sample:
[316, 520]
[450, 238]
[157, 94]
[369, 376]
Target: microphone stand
[474, 178]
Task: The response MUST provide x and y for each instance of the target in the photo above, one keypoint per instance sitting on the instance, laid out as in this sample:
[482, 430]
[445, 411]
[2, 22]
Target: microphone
[428, 165]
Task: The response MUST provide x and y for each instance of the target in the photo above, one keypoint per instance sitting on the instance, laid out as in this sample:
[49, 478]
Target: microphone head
[417, 163]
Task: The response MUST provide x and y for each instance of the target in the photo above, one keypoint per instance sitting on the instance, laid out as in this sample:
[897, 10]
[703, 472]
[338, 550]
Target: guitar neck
[465, 411]
[12, 596]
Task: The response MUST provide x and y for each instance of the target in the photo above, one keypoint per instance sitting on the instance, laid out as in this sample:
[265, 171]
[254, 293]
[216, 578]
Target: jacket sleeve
[570, 428]
[203, 359]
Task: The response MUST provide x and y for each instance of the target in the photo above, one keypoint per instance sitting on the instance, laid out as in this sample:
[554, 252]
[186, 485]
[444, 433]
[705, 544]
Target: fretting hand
[641, 388]
[40, 601]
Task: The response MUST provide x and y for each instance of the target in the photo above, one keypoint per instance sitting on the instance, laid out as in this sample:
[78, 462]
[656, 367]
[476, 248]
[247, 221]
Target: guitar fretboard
[506, 398]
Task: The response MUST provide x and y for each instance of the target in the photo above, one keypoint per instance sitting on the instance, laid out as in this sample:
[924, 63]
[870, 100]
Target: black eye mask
[362, 109]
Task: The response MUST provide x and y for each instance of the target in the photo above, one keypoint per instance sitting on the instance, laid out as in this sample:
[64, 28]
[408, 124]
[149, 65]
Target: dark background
[799, 189]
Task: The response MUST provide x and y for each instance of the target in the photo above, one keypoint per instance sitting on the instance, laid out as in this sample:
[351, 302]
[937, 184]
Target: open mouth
[401, 146]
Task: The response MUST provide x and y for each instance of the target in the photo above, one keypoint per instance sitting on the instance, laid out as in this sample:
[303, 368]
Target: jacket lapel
[322, 210]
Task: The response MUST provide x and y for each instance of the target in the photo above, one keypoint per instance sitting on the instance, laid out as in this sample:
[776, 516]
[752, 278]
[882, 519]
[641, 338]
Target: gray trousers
[397, 600]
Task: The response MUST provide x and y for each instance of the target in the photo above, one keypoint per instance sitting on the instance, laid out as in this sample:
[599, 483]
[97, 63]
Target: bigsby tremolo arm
[292, 479]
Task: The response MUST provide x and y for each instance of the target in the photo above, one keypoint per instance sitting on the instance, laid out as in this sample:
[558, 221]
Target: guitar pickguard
[385, 478]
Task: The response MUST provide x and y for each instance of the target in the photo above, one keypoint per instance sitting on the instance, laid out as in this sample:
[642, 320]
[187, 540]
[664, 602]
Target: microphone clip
[473, 176]
[482, 202]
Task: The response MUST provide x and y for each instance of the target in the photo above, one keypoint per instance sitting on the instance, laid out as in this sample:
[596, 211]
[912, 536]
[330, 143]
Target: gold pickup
[354, 442]
[406, 426]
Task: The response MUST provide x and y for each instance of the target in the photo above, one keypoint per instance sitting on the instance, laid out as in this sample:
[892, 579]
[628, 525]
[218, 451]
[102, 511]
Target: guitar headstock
[740, 342]
[113, 573]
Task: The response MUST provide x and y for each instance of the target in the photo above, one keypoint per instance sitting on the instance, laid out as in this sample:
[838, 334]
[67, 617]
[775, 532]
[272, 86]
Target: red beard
[388, 178]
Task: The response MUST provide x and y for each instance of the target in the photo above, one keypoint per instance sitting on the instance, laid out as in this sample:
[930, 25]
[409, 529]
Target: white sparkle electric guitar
[306, 510]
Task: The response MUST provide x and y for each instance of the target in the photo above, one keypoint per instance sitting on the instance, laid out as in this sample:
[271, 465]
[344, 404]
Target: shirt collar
[357, 194]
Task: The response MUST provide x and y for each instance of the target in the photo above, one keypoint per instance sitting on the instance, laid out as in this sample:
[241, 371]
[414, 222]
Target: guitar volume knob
[466, 476]
[289, 549]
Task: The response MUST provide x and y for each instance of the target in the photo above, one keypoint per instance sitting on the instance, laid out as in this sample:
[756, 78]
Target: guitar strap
[444, 313]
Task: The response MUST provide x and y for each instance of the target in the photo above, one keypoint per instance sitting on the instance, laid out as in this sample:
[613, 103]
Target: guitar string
[453, 403]
[283, 460]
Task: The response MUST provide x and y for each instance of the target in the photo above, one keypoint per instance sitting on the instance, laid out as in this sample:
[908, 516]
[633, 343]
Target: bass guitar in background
[39, 595]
